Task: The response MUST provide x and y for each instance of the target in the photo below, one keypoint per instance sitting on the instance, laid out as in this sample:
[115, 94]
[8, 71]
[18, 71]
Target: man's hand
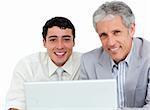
[13, 109]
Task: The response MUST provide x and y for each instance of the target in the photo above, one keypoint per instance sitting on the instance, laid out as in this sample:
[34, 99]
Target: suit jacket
[96, 64]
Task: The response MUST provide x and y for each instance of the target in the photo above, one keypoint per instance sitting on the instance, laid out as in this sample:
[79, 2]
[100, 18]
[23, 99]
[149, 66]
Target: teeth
[60, 53]
[114, 49]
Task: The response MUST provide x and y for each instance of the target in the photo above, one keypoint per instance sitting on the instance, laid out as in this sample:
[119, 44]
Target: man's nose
[60, 44]
[111, 41]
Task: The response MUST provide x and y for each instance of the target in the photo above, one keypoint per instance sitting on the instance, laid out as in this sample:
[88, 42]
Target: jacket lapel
[132, 75]
[103, 66]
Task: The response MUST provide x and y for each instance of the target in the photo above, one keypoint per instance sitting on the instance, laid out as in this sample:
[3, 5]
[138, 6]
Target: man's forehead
[58, 27]
[108, 17]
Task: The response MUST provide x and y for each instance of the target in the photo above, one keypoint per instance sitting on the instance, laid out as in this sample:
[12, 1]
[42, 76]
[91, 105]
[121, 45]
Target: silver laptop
[71, 95]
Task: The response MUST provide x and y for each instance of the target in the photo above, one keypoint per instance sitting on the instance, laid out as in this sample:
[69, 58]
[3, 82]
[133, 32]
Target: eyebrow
[66, 36]
[53, 36]
[116, 30]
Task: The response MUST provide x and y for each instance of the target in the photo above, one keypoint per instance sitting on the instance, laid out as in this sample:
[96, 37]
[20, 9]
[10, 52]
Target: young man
[58, 63]
[121, 56]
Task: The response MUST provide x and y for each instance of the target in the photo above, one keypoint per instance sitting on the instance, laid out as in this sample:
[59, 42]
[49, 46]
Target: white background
[21, 24]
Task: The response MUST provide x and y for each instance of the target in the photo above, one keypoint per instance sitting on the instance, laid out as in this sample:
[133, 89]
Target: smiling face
[116, 38]
[59, 43]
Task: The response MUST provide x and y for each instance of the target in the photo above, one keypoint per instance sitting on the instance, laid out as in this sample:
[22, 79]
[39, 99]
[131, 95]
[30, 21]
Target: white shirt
[38, 67]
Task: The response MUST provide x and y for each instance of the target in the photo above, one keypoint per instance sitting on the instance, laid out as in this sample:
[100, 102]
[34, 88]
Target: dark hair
[61, 22]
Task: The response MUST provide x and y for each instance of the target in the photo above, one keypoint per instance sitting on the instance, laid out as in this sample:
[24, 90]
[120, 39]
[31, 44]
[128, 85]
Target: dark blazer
[96, 64]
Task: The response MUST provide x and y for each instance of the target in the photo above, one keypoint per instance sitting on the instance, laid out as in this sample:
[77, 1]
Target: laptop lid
[71, 95]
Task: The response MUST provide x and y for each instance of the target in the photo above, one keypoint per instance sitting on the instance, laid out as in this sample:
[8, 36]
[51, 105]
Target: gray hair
[115, 8]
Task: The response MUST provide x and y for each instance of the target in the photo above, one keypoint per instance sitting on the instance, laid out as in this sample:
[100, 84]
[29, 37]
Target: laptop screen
[71, 95]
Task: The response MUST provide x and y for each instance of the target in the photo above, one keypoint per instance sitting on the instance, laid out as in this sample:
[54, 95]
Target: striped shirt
[119, 72]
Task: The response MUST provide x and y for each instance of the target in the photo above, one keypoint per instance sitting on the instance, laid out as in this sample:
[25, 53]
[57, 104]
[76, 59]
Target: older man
[122, 57]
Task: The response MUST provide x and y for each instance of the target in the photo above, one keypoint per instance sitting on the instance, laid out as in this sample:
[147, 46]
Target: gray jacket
[96, 64]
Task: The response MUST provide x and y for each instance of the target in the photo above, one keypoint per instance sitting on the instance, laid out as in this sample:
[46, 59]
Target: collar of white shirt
[67, 66]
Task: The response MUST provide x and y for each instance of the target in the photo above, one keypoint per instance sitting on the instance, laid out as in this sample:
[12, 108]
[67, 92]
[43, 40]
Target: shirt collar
[52, 66]
[67, 66]
[127, 60]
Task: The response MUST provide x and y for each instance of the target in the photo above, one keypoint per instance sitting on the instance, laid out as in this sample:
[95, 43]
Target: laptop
[71, 95]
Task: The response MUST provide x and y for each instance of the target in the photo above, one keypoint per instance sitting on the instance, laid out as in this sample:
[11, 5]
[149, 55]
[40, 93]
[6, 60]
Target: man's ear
[44, 42]
[132, 30]
[74, 43]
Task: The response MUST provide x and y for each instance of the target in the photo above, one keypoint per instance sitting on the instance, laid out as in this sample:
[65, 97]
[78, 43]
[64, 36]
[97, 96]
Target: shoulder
[92, 55]
[141, 41]
[143, 46]
[39, 57]
[76, 55]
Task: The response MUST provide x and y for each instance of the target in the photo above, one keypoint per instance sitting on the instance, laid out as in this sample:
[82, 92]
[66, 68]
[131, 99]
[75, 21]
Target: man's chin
[60, 63]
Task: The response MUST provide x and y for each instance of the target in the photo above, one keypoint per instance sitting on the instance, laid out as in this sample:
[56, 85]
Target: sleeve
[133, 109]
[148, 92]
[15, 97]
[147, 100]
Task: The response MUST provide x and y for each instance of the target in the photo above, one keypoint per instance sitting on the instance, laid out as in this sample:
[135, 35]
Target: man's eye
[52, 40]
[67, 39]
[103, 35]
[116, 32]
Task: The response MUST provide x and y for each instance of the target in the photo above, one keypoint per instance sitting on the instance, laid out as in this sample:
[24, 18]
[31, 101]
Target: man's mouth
[60, 54]
[114, 50]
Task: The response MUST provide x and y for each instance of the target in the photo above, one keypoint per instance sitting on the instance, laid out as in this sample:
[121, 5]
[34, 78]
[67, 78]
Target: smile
[113, 49]
[60, 54]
